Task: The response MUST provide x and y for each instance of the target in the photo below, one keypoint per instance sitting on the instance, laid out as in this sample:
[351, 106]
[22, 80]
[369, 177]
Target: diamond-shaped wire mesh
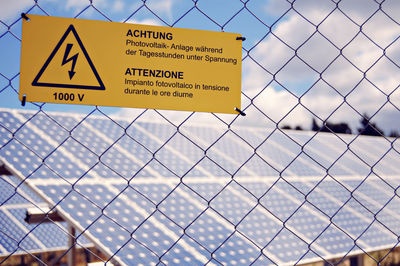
[155, 187]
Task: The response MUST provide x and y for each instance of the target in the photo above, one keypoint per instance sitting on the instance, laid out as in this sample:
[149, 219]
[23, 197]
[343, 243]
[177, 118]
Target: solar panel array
[16, 236]
[148, 192]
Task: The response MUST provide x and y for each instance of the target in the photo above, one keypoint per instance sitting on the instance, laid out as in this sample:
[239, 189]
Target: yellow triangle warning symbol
[69, 66]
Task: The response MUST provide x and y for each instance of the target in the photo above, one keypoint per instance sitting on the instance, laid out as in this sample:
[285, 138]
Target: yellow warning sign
[89, 62]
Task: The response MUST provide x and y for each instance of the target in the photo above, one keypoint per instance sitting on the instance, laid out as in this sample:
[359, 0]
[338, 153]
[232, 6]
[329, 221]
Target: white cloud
[148, 21]
[294, 31]
[358, 10]
[76, 4]
[11, 10]
[342, 75]
[382, 29]
[339, 73]
[314, 10]
[118, 6]
[276, 7]
[162, 7]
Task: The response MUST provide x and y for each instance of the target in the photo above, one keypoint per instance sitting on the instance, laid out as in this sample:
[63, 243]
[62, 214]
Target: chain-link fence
[141, 187]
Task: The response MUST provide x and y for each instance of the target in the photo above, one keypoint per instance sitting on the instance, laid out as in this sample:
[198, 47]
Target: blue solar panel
[145, 132]
[323, 151]
[207, 191]
[189, 155]
[178, 255]
[152, 193]
[8, 194]
[210, 165]
[336, 241]
[260, 231]
[230, 204]
[237, 250]
[9, 122]
[23, 190]
[15, 153]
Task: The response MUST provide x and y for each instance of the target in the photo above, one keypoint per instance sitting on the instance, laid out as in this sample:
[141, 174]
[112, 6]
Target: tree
[337, 128]
[289, 127]
[286, 127]
[314, 126]
[368, 128]
[394, 134]
[331, 127]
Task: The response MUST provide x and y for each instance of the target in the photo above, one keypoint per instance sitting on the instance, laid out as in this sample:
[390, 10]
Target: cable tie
[240, 111]
[24, 16]
[241, 38]
[23, 100]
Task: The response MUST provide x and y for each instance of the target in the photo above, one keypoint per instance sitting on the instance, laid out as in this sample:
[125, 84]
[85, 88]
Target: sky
[323, 59]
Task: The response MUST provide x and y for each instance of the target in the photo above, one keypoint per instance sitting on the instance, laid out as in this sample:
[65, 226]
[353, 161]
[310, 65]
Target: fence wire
[303, 61]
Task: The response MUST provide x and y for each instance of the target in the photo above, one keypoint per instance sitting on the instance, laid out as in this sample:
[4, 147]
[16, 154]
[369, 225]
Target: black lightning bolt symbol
[72, 58]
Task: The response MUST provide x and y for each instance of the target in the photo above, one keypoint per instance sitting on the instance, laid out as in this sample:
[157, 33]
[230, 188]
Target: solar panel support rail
[3, 170]
[35, 215]
[71, 243]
